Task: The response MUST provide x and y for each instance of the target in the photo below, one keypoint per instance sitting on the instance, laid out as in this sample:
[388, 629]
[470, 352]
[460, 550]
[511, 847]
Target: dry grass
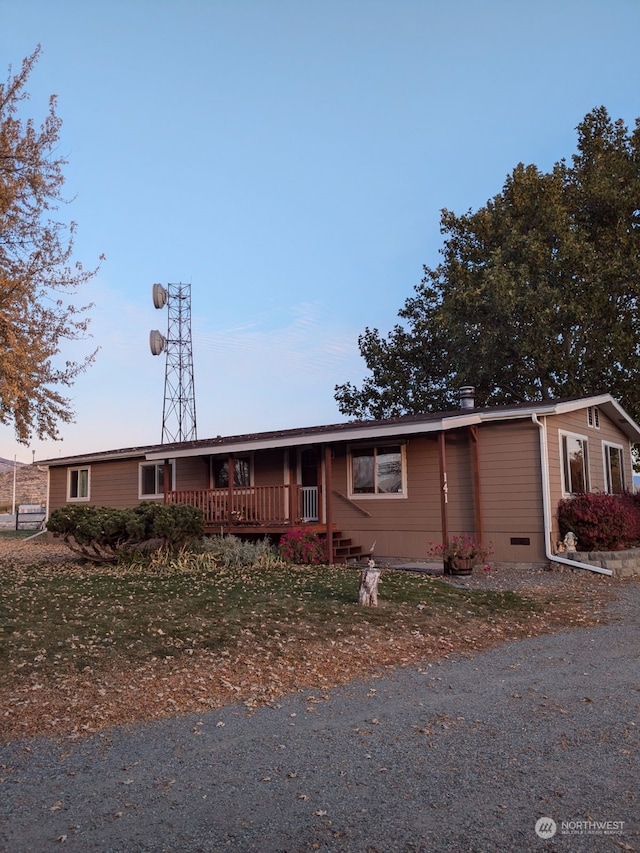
[84, 647]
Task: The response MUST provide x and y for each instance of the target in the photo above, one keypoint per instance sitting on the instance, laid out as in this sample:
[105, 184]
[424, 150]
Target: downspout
[546, 504]
[48, 498]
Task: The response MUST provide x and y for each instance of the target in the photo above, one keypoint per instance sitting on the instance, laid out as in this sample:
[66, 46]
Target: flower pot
[458, 566]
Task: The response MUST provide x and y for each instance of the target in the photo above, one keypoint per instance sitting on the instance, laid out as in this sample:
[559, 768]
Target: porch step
[349, 551]
[343, 547]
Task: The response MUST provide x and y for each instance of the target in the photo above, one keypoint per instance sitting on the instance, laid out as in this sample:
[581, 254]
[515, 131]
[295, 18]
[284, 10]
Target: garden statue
[368, 590]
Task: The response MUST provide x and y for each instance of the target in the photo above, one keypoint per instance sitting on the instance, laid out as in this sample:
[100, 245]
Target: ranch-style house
[494, 472]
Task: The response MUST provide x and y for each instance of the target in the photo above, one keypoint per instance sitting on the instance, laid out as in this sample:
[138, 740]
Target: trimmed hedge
[105, 534]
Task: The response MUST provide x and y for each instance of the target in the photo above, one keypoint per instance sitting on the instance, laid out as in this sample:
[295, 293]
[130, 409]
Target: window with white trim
[613, 468]
[377, 471]
[151, 479]
[575, 464]
[78, 484]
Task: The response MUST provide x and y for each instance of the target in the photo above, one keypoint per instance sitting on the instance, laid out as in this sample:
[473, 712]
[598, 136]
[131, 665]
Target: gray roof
[387, 428]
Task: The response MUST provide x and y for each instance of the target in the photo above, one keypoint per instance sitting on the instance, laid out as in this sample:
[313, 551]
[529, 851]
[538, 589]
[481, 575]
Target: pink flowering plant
[460, 547]
[302, 547]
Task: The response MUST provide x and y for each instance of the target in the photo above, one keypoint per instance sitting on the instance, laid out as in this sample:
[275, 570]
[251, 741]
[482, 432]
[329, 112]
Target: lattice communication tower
[179, 409]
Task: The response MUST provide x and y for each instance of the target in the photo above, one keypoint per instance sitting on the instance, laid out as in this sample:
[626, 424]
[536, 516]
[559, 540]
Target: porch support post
[230, 478]
[328, 475]
[292, 495]
[166, 475]
[319, 497]
[444, 488]
[477, 490]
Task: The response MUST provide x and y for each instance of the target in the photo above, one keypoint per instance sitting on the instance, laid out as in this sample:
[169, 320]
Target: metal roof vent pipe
[467, 397]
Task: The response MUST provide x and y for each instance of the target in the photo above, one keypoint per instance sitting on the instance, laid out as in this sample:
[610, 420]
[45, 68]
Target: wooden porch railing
[247, 505]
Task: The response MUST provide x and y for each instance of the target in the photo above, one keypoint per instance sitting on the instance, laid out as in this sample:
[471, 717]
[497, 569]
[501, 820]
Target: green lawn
[66, 618]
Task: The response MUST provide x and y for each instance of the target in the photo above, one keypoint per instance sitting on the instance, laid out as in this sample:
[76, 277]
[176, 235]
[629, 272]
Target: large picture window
[78, 484]
[151, 483]
[377, 470]
[613, 469]
[575, 464]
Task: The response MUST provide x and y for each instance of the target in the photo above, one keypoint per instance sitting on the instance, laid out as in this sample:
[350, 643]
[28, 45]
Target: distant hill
[31, 484]
[7, 465]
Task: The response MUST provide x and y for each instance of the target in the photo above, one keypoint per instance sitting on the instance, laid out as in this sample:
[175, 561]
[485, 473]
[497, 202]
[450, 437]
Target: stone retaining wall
[623, 564]
[30, 486]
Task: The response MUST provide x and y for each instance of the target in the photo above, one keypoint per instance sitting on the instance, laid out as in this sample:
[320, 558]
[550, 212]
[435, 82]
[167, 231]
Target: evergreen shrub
[106, 534]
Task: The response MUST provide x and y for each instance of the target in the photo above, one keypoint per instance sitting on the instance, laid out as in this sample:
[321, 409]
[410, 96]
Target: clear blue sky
[289, 159]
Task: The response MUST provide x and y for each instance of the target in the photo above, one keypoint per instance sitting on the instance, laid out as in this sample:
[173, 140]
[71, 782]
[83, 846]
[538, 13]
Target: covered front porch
[254, 509]
[242, 495]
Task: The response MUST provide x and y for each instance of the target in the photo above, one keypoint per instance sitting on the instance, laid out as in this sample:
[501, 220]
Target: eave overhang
[394, 428]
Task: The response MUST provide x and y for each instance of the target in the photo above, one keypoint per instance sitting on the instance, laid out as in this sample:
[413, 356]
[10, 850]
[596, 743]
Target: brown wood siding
[511, 488]
[57, 488]
[113, 483]
[510, 485]
[460, 497]
[192, 472]
[269, 468]
[404, 527]
[577, 423]
[418, 509]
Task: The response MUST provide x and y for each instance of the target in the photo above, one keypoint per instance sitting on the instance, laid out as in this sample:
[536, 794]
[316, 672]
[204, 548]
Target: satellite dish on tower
[179, 410]
[157, 342]
[159, 296]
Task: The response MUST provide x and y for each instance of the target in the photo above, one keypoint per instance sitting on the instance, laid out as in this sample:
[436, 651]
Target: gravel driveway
[464, 754]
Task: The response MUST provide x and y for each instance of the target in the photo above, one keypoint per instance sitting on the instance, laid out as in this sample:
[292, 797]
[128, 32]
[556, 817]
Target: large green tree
[38, 278]
[537, 295]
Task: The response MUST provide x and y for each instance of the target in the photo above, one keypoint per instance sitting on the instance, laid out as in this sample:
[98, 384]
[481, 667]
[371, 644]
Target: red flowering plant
[601, 522]
[302, 547]
[460, 547]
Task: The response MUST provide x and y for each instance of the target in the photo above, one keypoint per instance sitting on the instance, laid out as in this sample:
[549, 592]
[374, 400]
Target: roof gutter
[546, 503]
[363, 433]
